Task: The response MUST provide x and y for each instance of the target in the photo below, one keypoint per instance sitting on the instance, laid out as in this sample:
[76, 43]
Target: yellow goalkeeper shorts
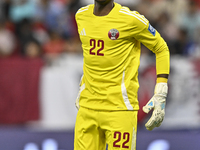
[94, 129]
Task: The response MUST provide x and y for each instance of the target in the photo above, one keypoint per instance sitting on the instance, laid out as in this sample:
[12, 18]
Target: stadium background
[41, 64]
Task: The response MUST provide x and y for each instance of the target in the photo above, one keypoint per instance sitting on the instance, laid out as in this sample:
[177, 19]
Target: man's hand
[157, 102]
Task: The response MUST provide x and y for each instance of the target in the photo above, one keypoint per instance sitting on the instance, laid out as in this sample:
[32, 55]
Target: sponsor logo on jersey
[113, 34]
[152, 30]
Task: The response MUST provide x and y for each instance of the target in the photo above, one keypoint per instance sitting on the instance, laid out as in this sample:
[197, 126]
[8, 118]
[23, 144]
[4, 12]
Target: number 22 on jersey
[99, 44]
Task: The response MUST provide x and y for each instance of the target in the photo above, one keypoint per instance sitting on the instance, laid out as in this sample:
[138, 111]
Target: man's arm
[148, 36]
[158, 101]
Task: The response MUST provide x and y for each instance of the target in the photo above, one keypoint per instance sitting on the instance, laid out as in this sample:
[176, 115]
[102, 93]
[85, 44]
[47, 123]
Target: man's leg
[88, 135]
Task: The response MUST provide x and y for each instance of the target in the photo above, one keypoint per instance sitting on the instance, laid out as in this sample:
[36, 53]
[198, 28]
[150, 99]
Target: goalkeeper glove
[157, 103]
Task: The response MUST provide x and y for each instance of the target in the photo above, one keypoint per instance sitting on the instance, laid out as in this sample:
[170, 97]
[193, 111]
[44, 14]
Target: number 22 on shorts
[123, 138]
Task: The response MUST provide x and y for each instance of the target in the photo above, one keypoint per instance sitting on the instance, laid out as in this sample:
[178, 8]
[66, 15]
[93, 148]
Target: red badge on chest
[113, 34]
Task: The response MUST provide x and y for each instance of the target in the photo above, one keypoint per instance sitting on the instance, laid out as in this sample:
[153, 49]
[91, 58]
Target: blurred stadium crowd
[47, 28]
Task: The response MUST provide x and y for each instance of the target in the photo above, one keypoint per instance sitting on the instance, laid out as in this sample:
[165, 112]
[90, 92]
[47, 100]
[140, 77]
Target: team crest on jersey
[113, 34]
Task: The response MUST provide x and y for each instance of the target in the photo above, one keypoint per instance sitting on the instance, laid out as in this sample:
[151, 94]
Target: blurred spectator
[22, 9]
[190, 20]
[54, 47]
[168, 30]
[21, 14]
[5, 6]
[41, 10]
[143, 8]
[40, 32]
[176, 20]
[74, 5]
[33, 50]
[24, 32]
[152, 9]
[181, 44]
[7, 40]
[73, 45]
[172, 7]
[55, 15]
[5, 9]
[194, 48]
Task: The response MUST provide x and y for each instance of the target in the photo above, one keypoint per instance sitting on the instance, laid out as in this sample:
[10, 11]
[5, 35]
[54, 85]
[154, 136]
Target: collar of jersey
[115, 9]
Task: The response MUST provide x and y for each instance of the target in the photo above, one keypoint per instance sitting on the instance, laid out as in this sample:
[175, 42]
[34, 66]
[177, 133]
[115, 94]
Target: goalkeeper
[107, 102]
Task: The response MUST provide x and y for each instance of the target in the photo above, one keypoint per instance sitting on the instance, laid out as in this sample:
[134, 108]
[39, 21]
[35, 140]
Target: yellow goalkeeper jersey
[111, 56]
